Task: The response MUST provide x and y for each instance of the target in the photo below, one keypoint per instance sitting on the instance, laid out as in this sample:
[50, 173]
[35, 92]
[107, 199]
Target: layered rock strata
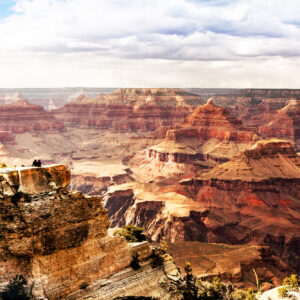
[56, 239]
[259, 190]
[97, 185]
[234, 263]
[284, 123]
[253, 198]
[20, 116]
[128, 110]
[126, 283]
[6, 136]
[209, 135]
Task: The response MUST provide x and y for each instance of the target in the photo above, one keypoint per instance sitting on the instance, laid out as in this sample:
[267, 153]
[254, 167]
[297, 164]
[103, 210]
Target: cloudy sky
[150, 43]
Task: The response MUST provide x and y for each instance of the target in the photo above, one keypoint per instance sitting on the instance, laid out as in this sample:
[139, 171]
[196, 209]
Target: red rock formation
[130, 109]
[253, 198]
[234, 263]
[210, 133]
[254, 109]
[20, 117]
[6, 136]
[259, 191]
[284, 123]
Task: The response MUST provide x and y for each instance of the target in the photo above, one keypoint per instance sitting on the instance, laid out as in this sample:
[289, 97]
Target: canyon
[20, 116]
[209, 135]
[58, 240]
[128, 110]
[251, 199]
[217, 179]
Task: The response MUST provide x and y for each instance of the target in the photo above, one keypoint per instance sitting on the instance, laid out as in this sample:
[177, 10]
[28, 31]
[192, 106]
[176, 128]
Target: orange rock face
[253, 198]
[259, 190]
[272, 112]
[56, 239]
[20, 117]
[210, 133]
[284, 123]
[130, 109]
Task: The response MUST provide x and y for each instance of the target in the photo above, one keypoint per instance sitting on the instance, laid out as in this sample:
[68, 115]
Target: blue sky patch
[5, 6]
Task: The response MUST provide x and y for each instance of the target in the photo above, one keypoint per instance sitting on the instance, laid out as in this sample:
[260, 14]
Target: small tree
[135, 264]
[290, 283]
[15, 290]
[131, 233]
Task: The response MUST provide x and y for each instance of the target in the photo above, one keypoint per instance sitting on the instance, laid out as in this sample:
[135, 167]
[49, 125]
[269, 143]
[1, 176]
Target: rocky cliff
[259, 190]
[253, 198]
[21, 116]
[130, 109]
[234, 263]
[6, 136]
[208, 136]
[56, 239]
[284, 123]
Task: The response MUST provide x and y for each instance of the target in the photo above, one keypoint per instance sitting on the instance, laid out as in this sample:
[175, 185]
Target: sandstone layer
[21, 116]
[253, 198]
[284, 123]
[56, 239]
[259, 190]
[209, 135]
[234, 263]
[128, 110]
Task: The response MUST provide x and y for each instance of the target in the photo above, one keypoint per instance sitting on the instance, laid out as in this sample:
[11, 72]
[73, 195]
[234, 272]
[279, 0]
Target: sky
[150, 43]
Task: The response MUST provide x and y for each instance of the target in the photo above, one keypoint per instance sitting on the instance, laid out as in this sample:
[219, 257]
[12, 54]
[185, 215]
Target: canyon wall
[130, 109]
[56, 239]
[208, 136]
[253, 198]
[20, 116]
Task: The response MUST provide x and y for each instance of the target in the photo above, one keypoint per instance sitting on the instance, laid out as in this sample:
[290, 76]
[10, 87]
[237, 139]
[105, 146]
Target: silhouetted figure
[38, 163]
[34, 164]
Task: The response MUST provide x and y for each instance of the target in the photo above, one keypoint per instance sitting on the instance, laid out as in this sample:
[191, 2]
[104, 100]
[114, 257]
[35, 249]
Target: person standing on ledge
[34, 164]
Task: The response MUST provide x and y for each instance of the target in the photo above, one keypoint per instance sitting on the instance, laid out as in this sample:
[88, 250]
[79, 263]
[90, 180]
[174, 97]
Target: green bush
[132, 233]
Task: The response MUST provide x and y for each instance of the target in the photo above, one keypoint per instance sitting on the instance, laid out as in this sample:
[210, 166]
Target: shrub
[16, 290]
[135, 264]
[292, 281]
[157, 259]
[131, 233]
[282, 292]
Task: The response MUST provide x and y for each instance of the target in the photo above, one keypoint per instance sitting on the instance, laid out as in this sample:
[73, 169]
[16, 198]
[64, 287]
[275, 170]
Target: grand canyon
[216, 173]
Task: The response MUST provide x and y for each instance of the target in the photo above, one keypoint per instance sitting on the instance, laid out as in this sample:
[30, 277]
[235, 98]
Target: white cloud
[141, 42]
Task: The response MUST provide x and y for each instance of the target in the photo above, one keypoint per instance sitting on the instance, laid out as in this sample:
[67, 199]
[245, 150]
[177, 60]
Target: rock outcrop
[259, 190]
[208, 136]
[128, 110]
[234, 263]
[284, 123]
[96, 185]
[146, 281]
[253, 198]
[6, 136]
[56, 239]
[262, 108]
[21, 116]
